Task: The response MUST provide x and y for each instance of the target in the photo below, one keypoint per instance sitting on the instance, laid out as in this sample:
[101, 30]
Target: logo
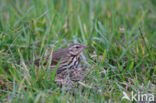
[138, 96]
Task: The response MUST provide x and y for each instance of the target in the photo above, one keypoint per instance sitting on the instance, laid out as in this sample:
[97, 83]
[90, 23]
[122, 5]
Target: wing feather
[56, 57]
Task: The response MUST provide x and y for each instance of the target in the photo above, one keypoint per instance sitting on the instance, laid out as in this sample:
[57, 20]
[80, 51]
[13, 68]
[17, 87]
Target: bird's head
[76, 49]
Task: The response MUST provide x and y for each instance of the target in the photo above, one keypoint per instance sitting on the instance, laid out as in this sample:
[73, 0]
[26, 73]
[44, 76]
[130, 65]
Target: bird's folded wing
[56, 57]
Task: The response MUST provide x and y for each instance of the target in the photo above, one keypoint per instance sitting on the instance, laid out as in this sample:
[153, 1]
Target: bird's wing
[37, 62]
[56, 57]
[59, 55]
[62, 64]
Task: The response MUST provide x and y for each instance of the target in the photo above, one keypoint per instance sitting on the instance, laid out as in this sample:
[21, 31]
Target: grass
[121, 36]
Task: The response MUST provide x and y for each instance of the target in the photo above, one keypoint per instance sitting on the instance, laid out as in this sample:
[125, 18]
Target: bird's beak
[85, 46]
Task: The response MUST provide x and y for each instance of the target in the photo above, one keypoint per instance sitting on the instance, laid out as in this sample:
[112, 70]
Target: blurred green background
[121, 35]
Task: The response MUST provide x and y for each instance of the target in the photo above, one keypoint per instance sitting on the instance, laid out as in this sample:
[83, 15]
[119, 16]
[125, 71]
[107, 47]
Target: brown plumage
[68, 58]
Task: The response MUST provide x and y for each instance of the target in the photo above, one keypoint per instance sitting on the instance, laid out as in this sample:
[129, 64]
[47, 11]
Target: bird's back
[56, 57]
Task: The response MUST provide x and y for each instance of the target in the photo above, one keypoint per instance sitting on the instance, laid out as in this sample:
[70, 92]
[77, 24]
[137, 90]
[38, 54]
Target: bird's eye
[77, 47]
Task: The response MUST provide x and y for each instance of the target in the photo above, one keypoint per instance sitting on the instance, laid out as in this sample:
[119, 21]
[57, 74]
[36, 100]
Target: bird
[67, 58]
